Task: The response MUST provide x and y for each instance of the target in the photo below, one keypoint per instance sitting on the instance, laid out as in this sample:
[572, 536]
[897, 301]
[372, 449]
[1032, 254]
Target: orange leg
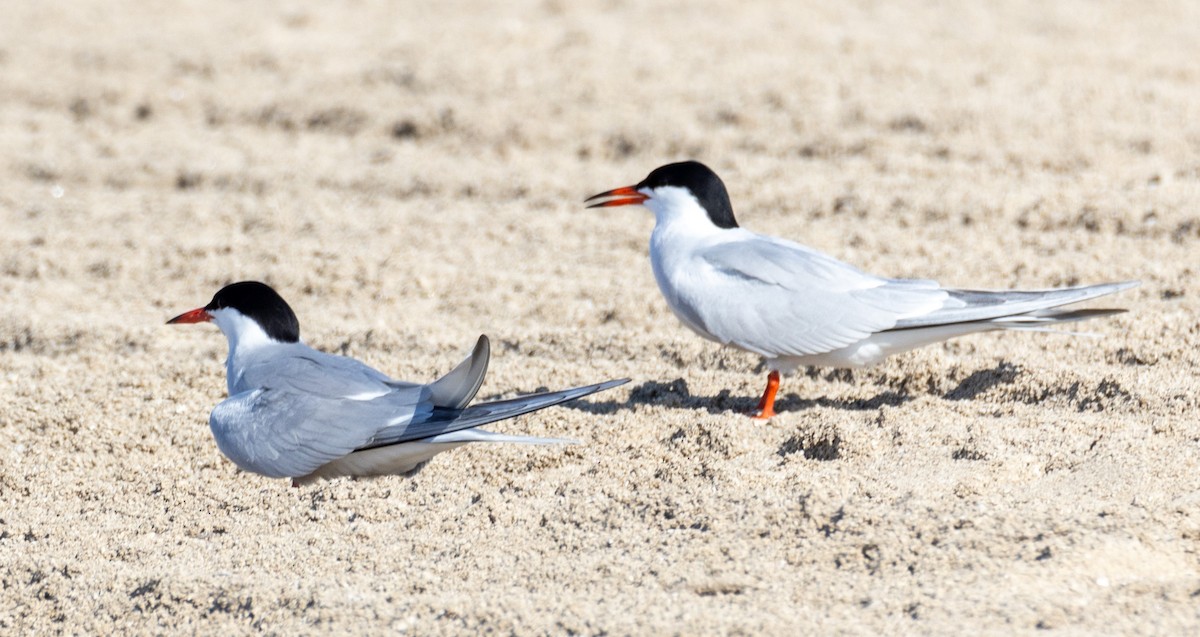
[766, 405]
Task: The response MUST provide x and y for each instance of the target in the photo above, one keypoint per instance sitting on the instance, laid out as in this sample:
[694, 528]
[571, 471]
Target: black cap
[703, 183]
[263, 305]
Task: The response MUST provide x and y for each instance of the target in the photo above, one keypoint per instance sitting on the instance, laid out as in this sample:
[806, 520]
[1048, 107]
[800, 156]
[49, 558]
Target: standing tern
[295, 412]
[795, 306]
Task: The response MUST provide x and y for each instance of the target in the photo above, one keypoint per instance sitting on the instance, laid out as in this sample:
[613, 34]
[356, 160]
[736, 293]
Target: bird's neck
[246, 339]
[678, 236]
[678, 214]
[681, 226]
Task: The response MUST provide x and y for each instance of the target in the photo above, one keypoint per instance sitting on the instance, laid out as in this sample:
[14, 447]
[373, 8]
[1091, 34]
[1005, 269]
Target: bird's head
[688, 189]
[246, 311]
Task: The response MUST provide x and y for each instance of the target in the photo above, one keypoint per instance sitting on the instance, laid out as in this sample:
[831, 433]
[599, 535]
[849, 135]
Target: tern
[295, 412]
[795, 306]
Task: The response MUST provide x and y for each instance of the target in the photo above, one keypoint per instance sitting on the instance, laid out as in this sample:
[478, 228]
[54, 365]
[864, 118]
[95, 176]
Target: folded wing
[283, 433]
[778, 298]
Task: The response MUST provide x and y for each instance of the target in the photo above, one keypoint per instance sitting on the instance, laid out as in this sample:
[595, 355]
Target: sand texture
[411, 174]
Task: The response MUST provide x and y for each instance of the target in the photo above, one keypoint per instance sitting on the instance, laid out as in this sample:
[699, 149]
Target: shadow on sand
[676, 395]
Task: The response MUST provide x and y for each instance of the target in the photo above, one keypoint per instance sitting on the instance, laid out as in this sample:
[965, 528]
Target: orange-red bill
[198, 315]
[624, 196]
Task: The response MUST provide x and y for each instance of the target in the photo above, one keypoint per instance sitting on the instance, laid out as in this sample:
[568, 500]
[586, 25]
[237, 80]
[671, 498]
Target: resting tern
[299, 413]
[795, 306]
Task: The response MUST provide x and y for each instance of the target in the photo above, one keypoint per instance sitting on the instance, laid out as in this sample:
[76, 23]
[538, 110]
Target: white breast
[681, 230]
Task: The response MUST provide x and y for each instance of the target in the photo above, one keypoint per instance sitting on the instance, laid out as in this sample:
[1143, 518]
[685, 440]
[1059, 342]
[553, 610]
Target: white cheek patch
[678, 207]
[242, 331]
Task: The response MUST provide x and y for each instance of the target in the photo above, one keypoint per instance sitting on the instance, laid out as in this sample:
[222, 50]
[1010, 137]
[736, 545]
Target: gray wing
[300, 408]
[280, 432]
[775, 297]
[304, 370]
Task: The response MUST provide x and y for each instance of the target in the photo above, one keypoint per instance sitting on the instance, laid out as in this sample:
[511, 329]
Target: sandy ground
[410, 175]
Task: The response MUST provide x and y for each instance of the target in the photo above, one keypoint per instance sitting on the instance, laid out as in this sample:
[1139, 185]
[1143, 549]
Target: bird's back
[774, 297]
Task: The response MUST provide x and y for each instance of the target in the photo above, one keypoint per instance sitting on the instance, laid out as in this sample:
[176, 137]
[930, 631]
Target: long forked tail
[1041, 320]
[1033, 309]
[447, 429]
[483, 413]
[456, 389]
[444, 421]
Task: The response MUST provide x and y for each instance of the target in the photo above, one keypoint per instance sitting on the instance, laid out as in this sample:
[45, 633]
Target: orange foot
[766, 404]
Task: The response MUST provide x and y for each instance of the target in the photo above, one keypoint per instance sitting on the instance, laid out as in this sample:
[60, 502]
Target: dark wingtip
[612, 383]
